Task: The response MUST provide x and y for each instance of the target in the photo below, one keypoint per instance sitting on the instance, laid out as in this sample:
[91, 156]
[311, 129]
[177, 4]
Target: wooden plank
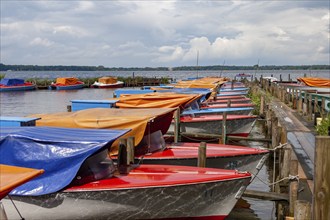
[272, 196]
[321, 198]
[306, 163]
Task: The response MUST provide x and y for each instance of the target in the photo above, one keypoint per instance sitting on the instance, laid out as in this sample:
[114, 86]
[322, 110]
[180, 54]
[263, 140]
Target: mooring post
[177, 126]
[262, 106]
[130, 150]
[224, 127]
[293, 191]
[302, 210]
[321, 198]
[122, 157]
[202, 155]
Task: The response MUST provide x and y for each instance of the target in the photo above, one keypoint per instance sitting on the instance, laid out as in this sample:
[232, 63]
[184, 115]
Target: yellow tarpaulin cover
[107, 80]
[103, 118]
[156, 100]
[315, 82]
[67, 80]
[13, 176]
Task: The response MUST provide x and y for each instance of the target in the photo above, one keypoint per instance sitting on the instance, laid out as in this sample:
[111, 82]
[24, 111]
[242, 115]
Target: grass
[323, 128]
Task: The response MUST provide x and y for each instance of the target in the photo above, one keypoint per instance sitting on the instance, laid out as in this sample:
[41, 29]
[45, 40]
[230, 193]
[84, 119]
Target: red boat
[225, 101]
[82, 183]
[237, 125]
[148, 127]
[234, 105]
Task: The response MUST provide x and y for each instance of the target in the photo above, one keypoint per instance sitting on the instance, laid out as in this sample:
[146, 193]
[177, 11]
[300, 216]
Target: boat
[149, 142]
[90, 181]
[225, 105]
[243, 75]
[67, 83]
[14, 176]
[218, 111]
[315, 81]
[225, 101]
[8, 85]
[236, 125]
[107, 82]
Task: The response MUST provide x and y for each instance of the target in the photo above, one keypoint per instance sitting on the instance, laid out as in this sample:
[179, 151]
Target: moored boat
[67, 83]
[107, 82]
[80, 176]
[236, 125]
[8, 85]
[149, 137]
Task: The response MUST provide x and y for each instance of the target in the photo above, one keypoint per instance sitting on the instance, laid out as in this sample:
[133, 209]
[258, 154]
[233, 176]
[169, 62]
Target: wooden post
[177, 126]
[262, 106]
[310, 110]
[224, 127]
[285, 168]
[69, 108]
[130, 150]
[321, 198]
[202, 155]
[293, 192]
[275, 133]
[122, 157]
[302, 210]
[299, 105]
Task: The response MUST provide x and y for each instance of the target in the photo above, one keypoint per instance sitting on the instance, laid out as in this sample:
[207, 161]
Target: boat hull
[239, 126]
[153, 195]
[66, 87]
[108, 86]
[217, 156]
[17, 88]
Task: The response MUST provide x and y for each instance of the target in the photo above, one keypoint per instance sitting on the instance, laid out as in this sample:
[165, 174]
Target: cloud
[164, 33]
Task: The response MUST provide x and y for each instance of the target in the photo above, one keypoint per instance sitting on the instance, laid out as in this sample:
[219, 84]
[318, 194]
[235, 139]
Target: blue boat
[7, 85]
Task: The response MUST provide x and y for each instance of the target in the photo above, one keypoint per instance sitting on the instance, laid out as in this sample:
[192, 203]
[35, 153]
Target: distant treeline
[4, 67]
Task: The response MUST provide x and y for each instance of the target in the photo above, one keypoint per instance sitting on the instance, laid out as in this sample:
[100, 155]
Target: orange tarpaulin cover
[156, 100]
[107, 80]
[13, 176]
[67, 80]
[315, 82]
[103, 118]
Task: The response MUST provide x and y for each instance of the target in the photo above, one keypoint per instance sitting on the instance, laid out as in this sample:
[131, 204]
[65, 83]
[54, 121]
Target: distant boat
[243, 75]
[107, 82]
[7, 84]
[67, 83]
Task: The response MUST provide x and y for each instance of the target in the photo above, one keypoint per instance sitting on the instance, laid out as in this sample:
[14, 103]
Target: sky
[167, 33]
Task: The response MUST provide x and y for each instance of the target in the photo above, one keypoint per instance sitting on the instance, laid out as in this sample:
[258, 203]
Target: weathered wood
[321, 198]
[202, 155]
[275, 133]
[224, 127]
[302, 210]
[272, 196]
[293, 192]
[177, 126]
[262, 106]
[285, 171]
[130, 150]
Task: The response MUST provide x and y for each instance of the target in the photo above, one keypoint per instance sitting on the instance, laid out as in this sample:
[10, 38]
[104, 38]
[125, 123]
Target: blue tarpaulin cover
[11, 82]
[58, 151]
[205, 92]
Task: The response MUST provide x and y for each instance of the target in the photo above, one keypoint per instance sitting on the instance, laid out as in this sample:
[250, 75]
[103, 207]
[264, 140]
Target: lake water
[49, 101]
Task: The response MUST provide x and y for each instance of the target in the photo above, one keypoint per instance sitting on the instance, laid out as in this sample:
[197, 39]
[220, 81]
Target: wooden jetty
[301, 157]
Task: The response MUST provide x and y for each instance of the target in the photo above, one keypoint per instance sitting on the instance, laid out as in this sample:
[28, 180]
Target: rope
[278, 147]
[16, 208]
[290, 177]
